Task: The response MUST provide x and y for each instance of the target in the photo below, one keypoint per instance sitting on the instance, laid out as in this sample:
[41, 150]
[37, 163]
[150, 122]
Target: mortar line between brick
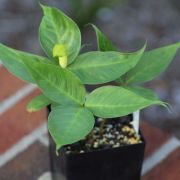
[44, 140]
[160, 154]
[22, 145]
[15, 98]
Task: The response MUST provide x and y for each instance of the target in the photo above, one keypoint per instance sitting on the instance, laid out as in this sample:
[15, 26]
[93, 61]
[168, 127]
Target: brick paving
[169, 169]
[17, 122]
[154, 138]
[23, 145]
[28, 165]
[6, 80]
[31, 162]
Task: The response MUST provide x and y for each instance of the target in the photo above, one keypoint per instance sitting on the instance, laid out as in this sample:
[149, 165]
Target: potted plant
[96, 135]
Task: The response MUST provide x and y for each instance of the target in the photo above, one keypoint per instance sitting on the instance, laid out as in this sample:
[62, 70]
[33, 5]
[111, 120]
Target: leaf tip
[58, 146]
[30, 110]
[57, 153]
[144, 46]
[44, 7]
[168, 106]
[41, 5]
[88, 24]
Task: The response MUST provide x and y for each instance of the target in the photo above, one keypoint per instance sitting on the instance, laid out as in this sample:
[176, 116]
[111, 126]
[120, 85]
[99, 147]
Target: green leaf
[103, 42]
[59, 85]
[14, 60]
[144, 92]
[38, 103]
[101, 67]
[152, 64]
[57, 28]
[54, 105]
[68, 125]
[113, 101]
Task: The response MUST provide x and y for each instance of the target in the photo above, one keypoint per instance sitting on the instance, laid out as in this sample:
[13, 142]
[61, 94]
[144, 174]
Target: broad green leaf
[13, 60]
[57, 84]
[152, 64]
[113, 101]
[101, 67]
[38, 103]
[57, 28]
[68, 125]
[144, 92]
[103, 42]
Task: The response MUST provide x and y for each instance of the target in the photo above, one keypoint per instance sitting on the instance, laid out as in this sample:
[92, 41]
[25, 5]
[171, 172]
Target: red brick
[169, 169]
[17, 122]
[8, 84]
[28, 165]
[154, 137]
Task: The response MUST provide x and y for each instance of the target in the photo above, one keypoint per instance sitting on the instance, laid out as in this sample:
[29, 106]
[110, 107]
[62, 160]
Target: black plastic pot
[122, 163]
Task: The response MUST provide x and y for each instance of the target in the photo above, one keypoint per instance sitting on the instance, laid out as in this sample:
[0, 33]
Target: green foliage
[38, 103]
[71, 118]
[113, 101]
[60, 51]
[101, 67]
[69, 124]
[147, 94]
[59, 85]
[152, 64]
[57, 28]
[104, 44]
[13, 60]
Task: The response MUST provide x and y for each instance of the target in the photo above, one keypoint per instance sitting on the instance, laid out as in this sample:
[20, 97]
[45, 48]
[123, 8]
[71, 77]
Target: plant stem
[101, 129]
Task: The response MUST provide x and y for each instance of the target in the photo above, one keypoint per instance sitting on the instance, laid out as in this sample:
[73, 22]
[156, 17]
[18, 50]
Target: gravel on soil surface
[111, 133]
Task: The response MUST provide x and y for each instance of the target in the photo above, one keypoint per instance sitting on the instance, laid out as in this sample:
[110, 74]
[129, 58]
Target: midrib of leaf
[63, 92]
[55, 28]
[20, 55]
[52, 22]
[139, 73]
[73, 122]
[95, 65]
[124, 106]
[110, 106]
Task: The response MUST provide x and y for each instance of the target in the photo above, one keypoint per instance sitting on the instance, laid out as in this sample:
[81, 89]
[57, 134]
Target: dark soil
[110, 133]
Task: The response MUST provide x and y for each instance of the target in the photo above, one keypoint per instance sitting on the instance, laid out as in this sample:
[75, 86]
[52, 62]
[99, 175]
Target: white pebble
[109, 125]
[111, 142]
[95, 145]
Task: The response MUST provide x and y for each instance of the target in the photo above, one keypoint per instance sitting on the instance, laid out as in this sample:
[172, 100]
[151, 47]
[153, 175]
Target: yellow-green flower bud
[60, 51]
[63, 61]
